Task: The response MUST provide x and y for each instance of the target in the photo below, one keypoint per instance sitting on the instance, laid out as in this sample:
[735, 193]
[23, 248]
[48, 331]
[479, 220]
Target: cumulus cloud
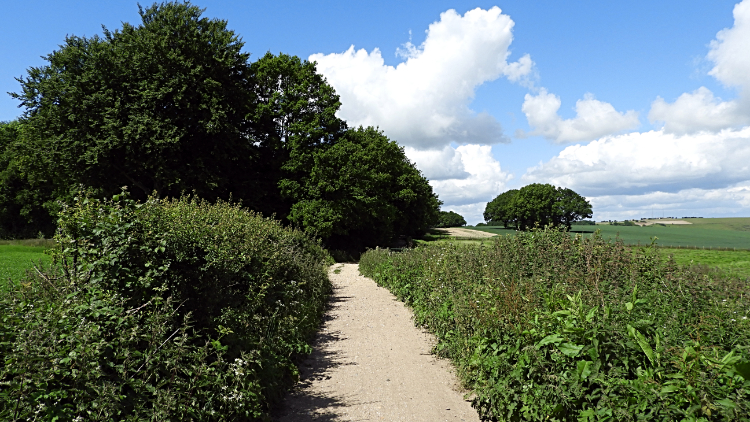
[639, 163]
[472, 176]
[701, 110]
[593, 119]
[424, 101]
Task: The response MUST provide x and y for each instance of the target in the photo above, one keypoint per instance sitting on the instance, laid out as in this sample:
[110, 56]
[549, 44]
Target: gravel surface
[371, 364]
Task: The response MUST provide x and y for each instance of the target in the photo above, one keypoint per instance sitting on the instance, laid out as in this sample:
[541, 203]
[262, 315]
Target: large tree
[173, 105]
[360, 191]
[498, 210]
[538, 204]
[160, 106]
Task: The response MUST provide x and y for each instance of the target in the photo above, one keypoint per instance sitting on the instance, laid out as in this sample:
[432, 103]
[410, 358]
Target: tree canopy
[173, 105]
[450, 219]
[537, 204]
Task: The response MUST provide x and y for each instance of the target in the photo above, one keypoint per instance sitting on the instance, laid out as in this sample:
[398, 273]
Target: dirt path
[461, 232]
[371, 364]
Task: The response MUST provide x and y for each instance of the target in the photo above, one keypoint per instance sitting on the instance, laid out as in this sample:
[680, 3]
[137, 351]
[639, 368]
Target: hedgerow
[163, 310]
[542, 326]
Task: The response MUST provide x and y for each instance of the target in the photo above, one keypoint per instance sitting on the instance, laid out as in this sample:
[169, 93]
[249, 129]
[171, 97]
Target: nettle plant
[544, 326]
[163, 310]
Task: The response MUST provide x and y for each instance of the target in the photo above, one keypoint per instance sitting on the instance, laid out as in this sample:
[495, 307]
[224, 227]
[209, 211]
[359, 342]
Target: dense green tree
[173, 105]
[28, 197]
[497, 210]
[570, 207]
[450, 219]
[294, 112]
[538, 204]
[360, 191]
[161, 106]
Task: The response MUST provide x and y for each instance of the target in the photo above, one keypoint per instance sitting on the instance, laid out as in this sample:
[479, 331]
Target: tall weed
[543, 326]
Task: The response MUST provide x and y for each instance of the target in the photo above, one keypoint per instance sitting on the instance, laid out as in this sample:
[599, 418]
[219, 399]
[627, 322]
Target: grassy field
[733, 233]
[708, 233]
[736, 263]
[18, 256]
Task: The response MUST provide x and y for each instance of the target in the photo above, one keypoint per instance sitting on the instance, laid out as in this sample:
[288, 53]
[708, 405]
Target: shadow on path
[302, 403]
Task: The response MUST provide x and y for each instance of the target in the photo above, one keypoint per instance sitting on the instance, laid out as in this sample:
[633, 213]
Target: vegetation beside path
[163, 310]
[544, 326]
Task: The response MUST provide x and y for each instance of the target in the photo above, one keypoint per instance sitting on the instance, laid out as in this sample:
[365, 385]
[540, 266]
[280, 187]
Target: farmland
[732, 233]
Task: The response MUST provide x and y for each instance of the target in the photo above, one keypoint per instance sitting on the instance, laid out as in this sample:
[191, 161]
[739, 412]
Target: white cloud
[701, 110]
[424, 101]
[439, 164]
[593, 119]
[639, 163]
[472, 213]
[698, 110]
[472, 176]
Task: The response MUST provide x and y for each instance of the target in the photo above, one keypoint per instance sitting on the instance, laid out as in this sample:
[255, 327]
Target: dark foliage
[537, 205]
[173, 105]
[450, 219]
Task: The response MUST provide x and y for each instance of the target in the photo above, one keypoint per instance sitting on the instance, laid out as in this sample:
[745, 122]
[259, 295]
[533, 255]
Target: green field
[736, 263]
[732, 233]
[694, 244]
[17, 257]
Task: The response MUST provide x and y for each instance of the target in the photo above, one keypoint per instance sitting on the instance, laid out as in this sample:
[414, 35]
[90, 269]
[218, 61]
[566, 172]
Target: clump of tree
[537, 205]
[174, 105]
[450, 219]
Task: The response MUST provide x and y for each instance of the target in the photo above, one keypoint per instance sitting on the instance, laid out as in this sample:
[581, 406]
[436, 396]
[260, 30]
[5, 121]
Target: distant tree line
[174, 106]
[537, 205]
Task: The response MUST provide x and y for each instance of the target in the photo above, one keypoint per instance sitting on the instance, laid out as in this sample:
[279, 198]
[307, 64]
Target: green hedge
[165, 310]
[543, 326]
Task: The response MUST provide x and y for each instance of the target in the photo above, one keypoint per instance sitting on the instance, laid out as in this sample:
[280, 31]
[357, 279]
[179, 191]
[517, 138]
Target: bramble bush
[163, 310]
[543, 326]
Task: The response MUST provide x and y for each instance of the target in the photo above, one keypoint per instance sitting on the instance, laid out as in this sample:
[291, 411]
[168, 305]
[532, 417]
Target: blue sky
[473, 96]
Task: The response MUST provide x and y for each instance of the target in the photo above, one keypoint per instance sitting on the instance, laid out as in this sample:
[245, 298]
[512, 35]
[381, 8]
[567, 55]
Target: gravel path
[371, 364]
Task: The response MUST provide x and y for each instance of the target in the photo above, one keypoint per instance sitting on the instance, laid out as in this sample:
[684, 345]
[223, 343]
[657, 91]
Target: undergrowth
[542, 326]
[169, 310]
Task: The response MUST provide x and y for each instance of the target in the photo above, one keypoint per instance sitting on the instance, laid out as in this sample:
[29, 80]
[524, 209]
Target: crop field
[16, 258]
[732, 233]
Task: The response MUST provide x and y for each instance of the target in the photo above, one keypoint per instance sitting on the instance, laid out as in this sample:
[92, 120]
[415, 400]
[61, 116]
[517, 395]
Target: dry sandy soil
[459, 232]
[371, 364]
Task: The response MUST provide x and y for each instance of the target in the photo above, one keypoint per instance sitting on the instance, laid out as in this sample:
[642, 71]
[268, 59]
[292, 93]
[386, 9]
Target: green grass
[736, 263]
[16, 258]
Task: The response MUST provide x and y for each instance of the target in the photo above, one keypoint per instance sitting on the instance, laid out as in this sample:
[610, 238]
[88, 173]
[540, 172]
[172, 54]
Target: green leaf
[570, 349]
[743, 368]
[669, 389]
[641, 339]
[552, 338]
[584, 369]
[727, 403]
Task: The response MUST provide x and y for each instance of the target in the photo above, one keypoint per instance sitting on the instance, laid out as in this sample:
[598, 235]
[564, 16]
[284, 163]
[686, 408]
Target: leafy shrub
[166, 310]
[543, 326]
